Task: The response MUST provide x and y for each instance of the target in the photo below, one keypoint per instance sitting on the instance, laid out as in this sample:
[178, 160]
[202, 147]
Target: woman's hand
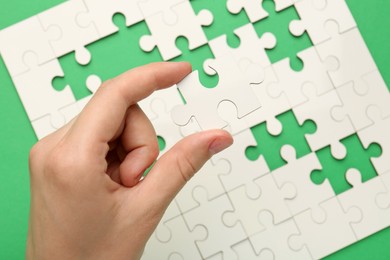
[87, 200]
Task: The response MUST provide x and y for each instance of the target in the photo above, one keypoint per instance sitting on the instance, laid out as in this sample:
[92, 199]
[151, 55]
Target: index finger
[104, 114]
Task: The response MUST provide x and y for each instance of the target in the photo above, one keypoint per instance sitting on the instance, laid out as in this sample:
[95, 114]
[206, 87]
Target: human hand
[87, 200]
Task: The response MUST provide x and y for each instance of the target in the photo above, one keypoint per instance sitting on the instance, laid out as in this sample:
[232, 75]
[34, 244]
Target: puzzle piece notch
[377, 133]
[65, 34]
[209, 214]
[280, 232]
[291, 81]
[254, 8]
[315, 13]
[99, 13]
[188, 25]
[295, 175]
[234, 85]
[363, 196]
[247, 207]
[332, 223]
[318, 109]
[251, 47]
[357, 96]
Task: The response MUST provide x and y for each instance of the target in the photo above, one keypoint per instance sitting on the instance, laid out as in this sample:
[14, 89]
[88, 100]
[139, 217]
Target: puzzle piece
[290, 82]
[318, 108]
[363, 196]
[245, 250]
[100, 12]
[252, 48]
[21, 38]
[383, 199]
[247, 207]
[350, 52]
[295, 175]
[35, 89]
[164, 35]
[358, 96]
[242, 171]
[327, 231]
[57, 119]
[66, 35]
[152, 7]
[315, 13]
[378, 133]
[202, 103]
[280, 233]
[169, 96]
[209, 214]
[335, 170]
[167, 241]
[254, 8]
[206, 179]
[271, 106]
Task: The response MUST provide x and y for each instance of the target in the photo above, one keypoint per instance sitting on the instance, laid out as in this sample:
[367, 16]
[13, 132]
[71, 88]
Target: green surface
[120, 52]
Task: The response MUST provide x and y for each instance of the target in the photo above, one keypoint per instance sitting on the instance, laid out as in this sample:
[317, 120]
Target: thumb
[180, 163]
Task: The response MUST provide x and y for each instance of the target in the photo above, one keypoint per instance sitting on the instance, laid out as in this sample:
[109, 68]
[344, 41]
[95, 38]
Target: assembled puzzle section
[318, 175]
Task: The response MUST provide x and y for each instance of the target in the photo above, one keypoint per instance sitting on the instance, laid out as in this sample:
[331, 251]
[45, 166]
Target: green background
[120, 52]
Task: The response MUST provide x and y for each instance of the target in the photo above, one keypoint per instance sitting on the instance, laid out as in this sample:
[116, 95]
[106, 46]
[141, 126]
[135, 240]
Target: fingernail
[219, 145]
